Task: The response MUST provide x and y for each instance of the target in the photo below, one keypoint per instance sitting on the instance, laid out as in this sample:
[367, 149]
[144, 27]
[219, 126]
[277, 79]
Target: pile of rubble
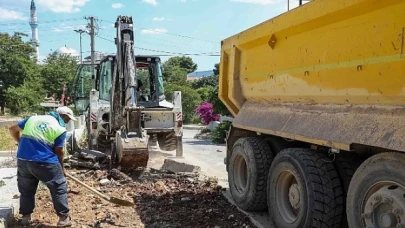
[89, 159]
[162, 199]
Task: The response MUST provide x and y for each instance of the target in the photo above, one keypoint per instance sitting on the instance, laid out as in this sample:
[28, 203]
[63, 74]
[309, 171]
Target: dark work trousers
[29, 174]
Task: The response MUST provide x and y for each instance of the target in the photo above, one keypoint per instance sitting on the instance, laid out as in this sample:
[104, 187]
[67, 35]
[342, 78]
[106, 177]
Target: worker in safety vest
[40, 158]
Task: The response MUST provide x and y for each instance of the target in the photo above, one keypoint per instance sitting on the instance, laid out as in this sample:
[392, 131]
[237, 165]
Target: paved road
[208, 156]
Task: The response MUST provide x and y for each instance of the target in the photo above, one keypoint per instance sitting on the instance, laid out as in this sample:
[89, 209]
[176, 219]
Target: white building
[67, 51]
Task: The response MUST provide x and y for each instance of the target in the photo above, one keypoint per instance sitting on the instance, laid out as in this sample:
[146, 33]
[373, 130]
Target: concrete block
[9, 205]
[179, 167]
[7, 215]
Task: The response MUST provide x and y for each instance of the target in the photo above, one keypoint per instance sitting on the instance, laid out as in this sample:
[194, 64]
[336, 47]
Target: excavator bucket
[131, 150]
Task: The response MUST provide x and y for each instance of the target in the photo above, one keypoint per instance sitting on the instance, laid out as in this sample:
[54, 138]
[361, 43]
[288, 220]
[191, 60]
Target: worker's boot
[25, 220]
[64, 221]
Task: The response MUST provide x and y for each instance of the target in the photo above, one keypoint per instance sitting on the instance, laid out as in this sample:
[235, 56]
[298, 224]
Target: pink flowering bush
[206, 112]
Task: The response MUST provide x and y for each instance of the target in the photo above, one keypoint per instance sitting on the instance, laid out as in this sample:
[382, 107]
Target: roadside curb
[8, 153]
[259, 219]
[194, 127]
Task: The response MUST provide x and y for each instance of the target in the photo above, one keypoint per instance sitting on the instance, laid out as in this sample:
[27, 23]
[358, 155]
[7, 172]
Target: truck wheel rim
[240, 173]
[384, 205]
[288, 196]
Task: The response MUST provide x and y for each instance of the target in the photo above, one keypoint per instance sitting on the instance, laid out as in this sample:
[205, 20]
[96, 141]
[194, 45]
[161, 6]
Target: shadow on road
[202, 142]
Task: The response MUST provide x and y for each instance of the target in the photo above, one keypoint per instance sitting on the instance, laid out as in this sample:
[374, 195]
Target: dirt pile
[161, 200]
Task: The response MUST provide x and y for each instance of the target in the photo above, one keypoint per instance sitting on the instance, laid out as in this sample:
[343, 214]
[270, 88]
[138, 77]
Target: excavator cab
[82, 86]
[150, 90]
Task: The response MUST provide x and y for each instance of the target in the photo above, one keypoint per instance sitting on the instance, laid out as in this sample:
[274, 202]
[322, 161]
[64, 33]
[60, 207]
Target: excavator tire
[153, 140]
[167, 141]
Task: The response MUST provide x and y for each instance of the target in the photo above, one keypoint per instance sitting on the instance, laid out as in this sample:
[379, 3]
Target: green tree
[205, 93]
[211, 81]
[182, 62]
[26, 97]
[217, 104]
[16, 65]
[190, 100]
[216, 69]
[177, 76]
[57, 71]
[208, 89]
[176, 68]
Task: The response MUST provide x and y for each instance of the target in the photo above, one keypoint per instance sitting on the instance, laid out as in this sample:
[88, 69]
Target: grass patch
[6, 142]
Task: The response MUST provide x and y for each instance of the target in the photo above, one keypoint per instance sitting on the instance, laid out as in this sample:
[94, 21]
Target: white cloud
[117, 5]
[152, 2]
[6, 15]
[158, 19]
[154, 31]
[61, 6]
[182, 0]
[260, 2]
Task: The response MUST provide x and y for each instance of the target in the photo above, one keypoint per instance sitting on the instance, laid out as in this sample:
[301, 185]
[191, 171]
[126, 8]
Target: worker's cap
[66, 111]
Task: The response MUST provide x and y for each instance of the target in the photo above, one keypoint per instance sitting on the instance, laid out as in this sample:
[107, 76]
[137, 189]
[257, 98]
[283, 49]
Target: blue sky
[160, 24]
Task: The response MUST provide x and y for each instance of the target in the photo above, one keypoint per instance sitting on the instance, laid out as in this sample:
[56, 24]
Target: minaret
[34, 28]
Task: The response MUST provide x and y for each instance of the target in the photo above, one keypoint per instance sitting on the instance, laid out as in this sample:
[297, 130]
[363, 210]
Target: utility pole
[92, 34]
[80, 31]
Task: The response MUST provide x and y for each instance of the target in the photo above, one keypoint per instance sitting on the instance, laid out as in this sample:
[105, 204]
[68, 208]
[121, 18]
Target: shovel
[108, 198]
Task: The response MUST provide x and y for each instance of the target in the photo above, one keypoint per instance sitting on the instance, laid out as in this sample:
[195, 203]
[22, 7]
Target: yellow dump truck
[318, 96]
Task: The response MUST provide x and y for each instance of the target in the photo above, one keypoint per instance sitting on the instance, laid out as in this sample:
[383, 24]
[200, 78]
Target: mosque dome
[67, 51]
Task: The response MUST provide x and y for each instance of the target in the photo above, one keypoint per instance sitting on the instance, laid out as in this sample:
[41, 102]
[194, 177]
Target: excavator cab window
[105, 80]
[150, 80]
[82, 87]
[160, 78]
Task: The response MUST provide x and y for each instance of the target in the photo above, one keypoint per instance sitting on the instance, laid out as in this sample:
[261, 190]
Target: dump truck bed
[329, 72]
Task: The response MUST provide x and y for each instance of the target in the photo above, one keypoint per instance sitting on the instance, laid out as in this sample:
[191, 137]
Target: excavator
[126, 111]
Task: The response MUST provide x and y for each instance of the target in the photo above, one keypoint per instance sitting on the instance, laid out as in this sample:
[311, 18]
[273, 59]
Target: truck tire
[167, 141]
[304, 190]
[376, 196]
[346, 164]
[248, 167]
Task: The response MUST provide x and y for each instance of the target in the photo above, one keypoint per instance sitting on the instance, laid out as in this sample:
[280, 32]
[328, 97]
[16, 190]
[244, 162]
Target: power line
[173, 34]
[55, 29]
[167, 52]
[41, 22]
[28, 43]
[172, 45]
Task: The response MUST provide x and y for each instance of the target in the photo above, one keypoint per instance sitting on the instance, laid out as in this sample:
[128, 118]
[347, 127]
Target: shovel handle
[88, 187]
